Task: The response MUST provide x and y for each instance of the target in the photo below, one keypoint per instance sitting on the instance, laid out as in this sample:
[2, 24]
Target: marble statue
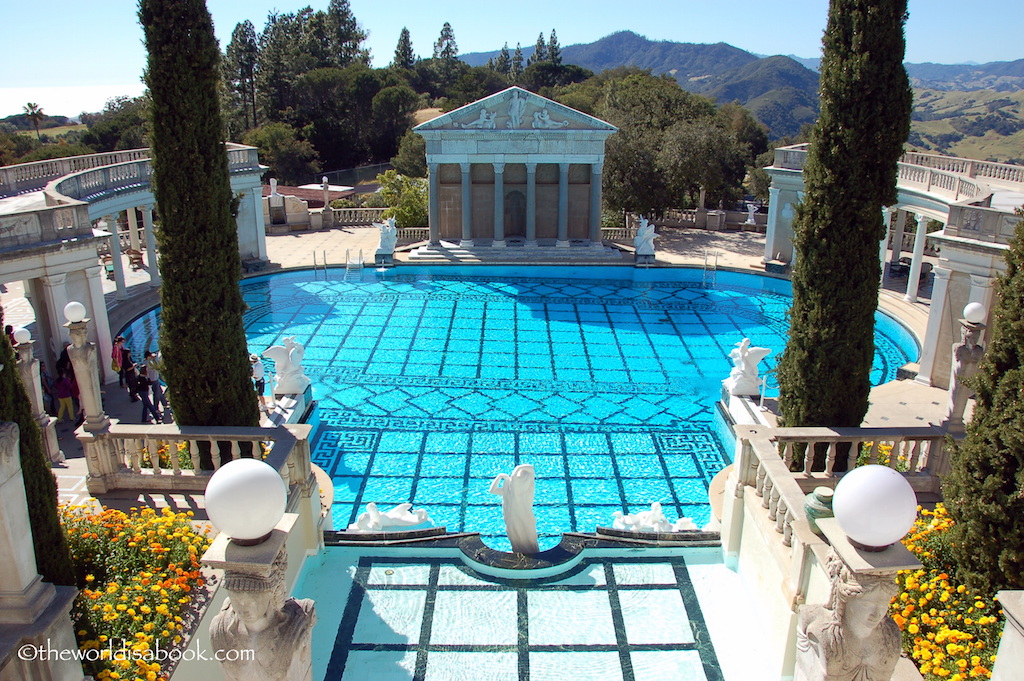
[653, 520]
[542, 121]
[289, 377]
[516, 105]
[751, 209]
[388, 236]
[516, 492]
[273, 187]
[743, 379]
[400, 517]
[851, 638]
[485, 121]
[643, 242]
[966, 355]
[258, 617]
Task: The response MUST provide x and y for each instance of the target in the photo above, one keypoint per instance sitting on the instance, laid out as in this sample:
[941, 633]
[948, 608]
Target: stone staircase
[515, 251]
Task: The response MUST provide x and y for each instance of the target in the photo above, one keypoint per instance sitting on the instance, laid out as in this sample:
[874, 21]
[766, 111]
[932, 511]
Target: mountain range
[781, 91]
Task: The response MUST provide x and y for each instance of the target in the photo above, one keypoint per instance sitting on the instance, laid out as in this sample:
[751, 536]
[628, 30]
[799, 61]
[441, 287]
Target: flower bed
[951, 633]
[141, 584]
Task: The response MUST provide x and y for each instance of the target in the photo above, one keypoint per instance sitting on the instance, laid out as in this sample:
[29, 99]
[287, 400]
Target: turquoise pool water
[431, 381]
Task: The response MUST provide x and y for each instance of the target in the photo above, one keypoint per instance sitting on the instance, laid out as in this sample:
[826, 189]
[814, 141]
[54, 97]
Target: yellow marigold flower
[913, 629]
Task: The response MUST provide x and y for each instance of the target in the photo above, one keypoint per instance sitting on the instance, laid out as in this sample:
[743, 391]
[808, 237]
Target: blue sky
[72, 56]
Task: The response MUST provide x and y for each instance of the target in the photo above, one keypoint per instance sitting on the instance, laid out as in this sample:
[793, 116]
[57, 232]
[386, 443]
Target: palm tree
[34, 113]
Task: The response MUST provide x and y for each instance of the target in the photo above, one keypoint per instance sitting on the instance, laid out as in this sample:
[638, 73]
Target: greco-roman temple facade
[515, 169]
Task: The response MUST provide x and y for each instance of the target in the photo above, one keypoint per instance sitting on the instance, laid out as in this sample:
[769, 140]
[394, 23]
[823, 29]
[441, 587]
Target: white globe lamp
[875, 507]
[74, 312]
[975, 313]
[22, 335]
[245, 500]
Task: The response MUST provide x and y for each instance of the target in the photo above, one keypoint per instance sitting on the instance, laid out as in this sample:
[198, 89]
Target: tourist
[62, 389]
[64, 361]
[115, 359]
[142, 393]
[128, 371]
[9, 330]
[46, 383]
[155, 364]
[259, 380]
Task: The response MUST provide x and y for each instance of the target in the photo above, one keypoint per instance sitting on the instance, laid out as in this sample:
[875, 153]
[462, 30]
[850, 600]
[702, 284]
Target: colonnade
[499, 231]
[110, 223]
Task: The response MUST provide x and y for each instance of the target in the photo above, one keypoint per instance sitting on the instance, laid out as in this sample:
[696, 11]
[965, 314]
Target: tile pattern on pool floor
[428, 385]
[425, 620]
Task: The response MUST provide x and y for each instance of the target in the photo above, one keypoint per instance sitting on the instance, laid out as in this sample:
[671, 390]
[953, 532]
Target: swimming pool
[431, 381]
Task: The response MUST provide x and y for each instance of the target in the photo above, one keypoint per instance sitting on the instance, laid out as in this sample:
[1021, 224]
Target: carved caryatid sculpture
[851, 638]
[516, 492]
[258, 617]
[743, 379]
[966, 355]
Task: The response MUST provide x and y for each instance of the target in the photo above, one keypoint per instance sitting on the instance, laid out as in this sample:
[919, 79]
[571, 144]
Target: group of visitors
[141, 380]
[60, 393]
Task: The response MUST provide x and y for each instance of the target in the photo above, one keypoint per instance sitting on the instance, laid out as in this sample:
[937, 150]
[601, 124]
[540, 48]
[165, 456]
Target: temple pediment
[515, 109]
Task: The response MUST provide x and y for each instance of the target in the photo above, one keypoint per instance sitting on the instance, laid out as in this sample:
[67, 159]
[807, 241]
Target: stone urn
[817, 505]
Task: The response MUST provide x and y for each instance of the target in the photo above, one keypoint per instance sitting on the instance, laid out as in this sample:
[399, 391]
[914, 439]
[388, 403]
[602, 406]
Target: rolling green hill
[983, 124]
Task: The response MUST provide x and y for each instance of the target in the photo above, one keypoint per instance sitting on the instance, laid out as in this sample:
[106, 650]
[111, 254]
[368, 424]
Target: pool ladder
[320, 265]
[353, 265]
[710, 267]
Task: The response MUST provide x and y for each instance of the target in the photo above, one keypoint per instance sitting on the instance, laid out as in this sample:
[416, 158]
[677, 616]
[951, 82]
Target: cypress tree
[985, 488]
[53, 561]
[404, 57]
[849, 175]
[201, 337]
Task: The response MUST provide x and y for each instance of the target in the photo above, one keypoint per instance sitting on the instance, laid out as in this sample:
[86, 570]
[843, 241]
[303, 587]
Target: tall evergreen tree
[346, 37]
[515, 70]
[241, 56]
[503, 64]
[52, 558]
[540, 50]
[404, 57]
[849, 174]
[446, 56]
[201, 337]
[554, 51]
[985, 489]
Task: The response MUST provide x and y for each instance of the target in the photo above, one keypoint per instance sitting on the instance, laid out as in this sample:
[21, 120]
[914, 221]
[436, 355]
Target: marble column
[936, 314]
[531, 205]
[28, 366]
[563, 206]
[147, 222]
[467, 206]
[115, 256]
[915, 264]
[432, 211]
[897, 235]
[55, 297]
[595, 206]
[132, 220]
[499, 206]
[98, 308]
[773, 217]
